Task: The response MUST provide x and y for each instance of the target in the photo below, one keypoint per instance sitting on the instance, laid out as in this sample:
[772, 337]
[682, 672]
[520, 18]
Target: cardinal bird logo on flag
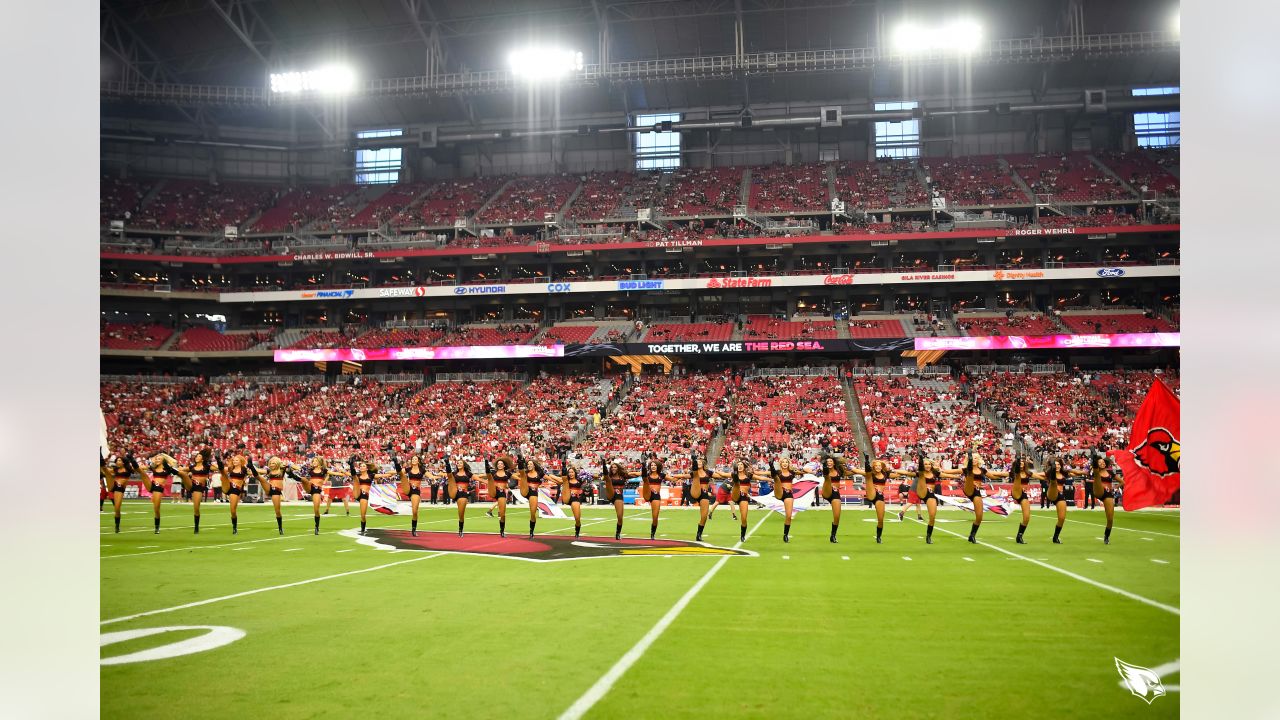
[1151, 464]
[1159, 452]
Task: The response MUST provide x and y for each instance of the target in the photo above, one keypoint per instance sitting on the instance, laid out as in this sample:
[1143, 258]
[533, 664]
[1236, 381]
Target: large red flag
[1150, 465]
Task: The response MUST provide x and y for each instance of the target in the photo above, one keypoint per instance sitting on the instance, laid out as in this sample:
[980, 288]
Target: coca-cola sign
[838, 280]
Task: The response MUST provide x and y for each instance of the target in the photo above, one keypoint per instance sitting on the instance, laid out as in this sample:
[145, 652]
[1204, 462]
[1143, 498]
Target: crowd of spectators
[666, 414]
[799, 414]
[906, 416]
[528, 199]
[789, 188]
[202, 206]
[973, 180]
[1067, 177]
[702, 191]
[880, 185]
[300, 206]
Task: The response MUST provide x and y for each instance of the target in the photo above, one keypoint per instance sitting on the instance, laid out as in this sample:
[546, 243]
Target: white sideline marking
[1092, 560]
[969, 559]
[786, 557]
[1148, 539]
[200, 547]
[606, 681]
[844, 557]
[289, 549]
[347, 550]
[1117, 527]
[147, 547]
[904, 557]
[239, 549]
[1081, 578]
[198, 603]
[1162, 562]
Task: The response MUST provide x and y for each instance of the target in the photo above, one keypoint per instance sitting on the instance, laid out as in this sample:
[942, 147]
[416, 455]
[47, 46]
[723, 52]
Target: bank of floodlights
[544, 64]
[959, 37]
[327, 80]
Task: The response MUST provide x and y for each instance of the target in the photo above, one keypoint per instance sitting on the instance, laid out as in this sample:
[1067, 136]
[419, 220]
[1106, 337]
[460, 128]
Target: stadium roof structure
[207, 62]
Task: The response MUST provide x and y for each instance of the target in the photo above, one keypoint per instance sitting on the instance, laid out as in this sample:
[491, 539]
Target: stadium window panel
[1158, 129]
[378, 165]
[897, 138]
[369, 134]
[657, 150]
[1144, 92]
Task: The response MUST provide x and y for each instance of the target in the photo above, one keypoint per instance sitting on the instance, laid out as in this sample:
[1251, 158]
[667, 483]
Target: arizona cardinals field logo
[1143, 682]
[1159, 453]
[543, 548]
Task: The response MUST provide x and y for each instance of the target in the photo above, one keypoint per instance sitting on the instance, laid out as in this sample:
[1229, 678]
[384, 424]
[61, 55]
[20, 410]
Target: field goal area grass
[329, 626]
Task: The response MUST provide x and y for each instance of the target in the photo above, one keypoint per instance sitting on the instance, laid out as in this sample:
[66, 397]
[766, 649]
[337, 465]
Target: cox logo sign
[559, 287]
[1111, 272]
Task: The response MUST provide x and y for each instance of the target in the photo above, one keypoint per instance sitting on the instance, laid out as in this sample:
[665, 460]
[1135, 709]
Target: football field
[335, 626]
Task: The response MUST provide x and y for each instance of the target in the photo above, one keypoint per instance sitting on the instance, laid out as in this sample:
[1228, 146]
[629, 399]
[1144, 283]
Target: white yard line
[1074, 576]
[246, 593]
[606, 682]
[200, 547]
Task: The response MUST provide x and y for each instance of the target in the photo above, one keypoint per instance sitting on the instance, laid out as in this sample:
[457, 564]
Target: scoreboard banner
[731, 347]
[714, 283]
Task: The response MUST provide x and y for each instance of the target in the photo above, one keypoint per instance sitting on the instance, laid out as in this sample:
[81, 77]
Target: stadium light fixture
[328, 80]
[961, 36]
[541, 64]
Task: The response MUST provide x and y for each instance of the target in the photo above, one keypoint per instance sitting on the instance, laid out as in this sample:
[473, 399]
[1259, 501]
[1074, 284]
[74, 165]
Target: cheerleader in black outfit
[196, 479]
[500, 474]
[1021, 474]
[974, 474]
[1054, 475]
[1103, 476]
[363, 475]
[411, 476]
[159, 476]
[572, 492]
[654, 476]
[459, 486]
[316, 479]
[833, 471]
[115, 473]
[783, 476]
[531, 476]
[234, 478]
[928, 486]
[277, 469]
[699, 490]
[615, 476]
[875, 476]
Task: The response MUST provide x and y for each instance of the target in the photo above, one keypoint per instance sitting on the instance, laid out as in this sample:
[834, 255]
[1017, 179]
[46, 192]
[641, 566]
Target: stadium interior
[623, 227]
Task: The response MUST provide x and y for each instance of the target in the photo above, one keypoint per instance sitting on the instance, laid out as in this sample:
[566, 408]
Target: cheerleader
[615, 483]
[363, 475]
[653, 477]
[277, 469]
[573, 491]
[699, 490]
[1103, 476]
[740, 477]
[234, 477]
[1054, 475]
[1021, 474]
[459, 486]
[499, 475]
[195, 478]
[531, 476]
[411, 475]
[317, 478]
[115, 472]
[928, 487]
[833, 471]
[875, 476]
[159, 473]
[783, 477]
[974, 473]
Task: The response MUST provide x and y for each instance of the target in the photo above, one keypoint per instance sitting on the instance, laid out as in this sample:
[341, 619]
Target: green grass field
[803, 630]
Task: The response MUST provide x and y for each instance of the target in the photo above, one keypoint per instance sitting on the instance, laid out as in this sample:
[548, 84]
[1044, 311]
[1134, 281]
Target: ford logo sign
[1110, 272]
